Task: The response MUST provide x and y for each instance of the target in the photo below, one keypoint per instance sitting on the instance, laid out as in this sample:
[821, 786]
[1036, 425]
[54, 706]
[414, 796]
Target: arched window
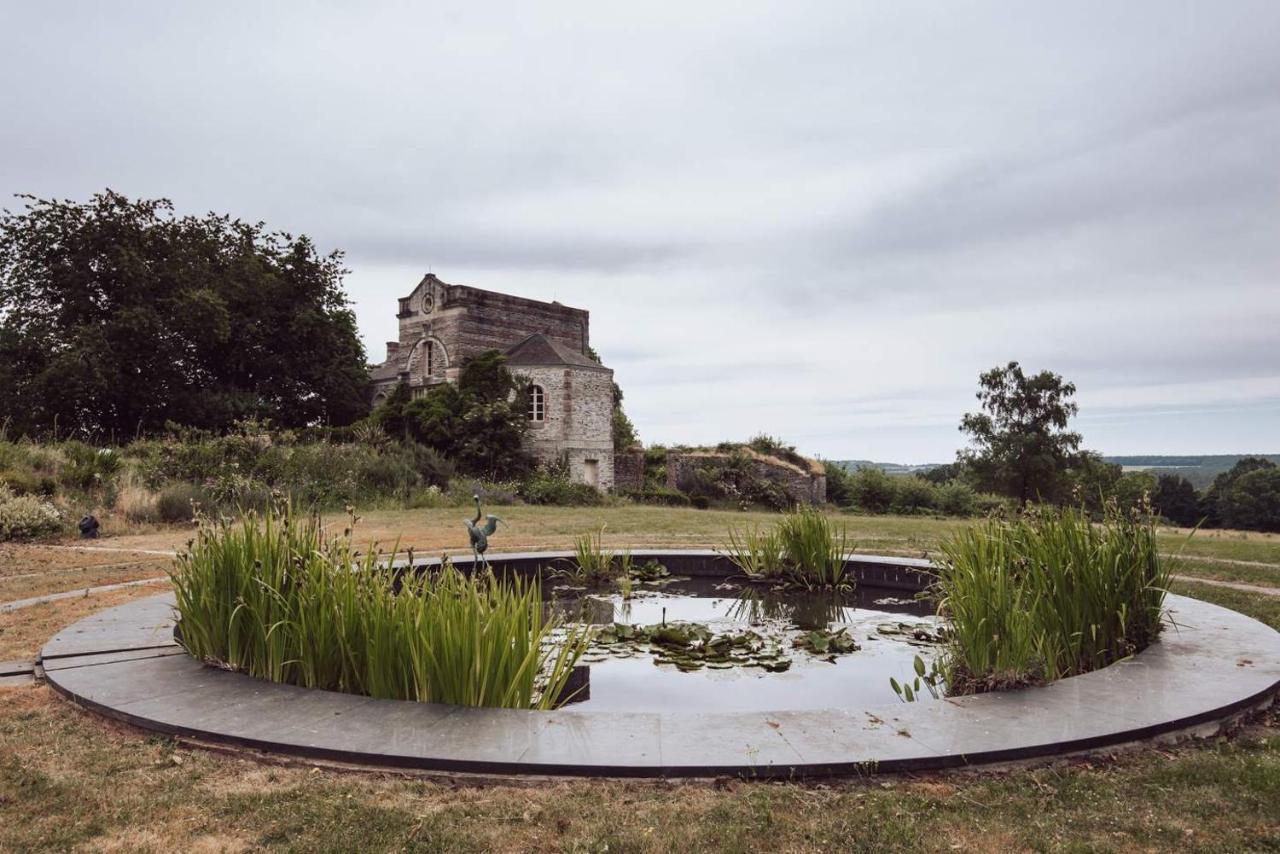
[537, 403]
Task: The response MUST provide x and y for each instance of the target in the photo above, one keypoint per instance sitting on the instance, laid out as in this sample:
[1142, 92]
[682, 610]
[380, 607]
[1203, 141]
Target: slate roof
[539, 350]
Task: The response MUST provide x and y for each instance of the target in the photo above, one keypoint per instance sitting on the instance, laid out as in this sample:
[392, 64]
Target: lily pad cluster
[694, 646]
[691, 646]
[827, 643]
[914, 634]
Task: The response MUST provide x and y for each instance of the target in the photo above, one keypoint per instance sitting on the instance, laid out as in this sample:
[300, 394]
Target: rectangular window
[537, 403]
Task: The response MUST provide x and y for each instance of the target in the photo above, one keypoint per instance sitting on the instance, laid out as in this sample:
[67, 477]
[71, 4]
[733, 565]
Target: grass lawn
[70, 780]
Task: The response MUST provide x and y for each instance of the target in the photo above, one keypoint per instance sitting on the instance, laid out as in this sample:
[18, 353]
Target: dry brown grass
[24, 631]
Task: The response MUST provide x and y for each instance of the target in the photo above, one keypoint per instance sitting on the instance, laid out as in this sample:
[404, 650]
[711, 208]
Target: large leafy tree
[1252, 501]
[117, 316]
[1175, 499]
[1224, 505]
[478, 424]
[1021, 446]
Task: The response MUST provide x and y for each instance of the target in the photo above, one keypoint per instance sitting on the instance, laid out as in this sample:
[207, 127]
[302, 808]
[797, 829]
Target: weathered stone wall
[578, 421]
[467, 321]
[803, 485]
[628, 470]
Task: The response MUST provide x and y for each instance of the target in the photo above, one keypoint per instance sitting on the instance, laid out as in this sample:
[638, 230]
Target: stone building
[571, 395]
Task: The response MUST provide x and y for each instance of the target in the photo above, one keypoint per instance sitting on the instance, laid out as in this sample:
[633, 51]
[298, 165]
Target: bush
[1048, 595]
[660, 495]
[956, 498]
[551, 485]
[274, 598]
[873, 490]
[839, 485]
[25, 516]
[28, 482]
[88, 467]
[177, 502]
[913, 495]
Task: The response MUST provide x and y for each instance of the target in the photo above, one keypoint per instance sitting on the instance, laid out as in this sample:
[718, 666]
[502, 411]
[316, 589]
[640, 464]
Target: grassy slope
[68, 779]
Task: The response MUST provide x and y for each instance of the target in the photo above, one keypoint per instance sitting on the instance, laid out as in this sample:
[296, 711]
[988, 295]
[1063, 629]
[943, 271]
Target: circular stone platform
[1213, 664]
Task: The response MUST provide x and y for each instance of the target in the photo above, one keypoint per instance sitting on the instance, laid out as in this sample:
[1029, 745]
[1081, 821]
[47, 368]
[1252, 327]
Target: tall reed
[806, 549]
[1049, 594]
[273, 597]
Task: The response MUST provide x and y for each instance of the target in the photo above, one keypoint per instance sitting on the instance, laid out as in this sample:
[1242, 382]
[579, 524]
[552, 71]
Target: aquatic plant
[274, 597]
[1048, 594]
[592, 563]
[805, 549]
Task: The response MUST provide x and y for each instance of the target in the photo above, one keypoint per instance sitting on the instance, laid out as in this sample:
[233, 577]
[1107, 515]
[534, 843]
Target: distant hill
[1200, 470]
[887, 468]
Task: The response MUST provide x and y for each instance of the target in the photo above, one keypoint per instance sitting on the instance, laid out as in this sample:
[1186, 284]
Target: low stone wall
[805, 486]
[628, 470]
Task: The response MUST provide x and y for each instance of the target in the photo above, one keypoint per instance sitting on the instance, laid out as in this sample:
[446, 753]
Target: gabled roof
[540, 351]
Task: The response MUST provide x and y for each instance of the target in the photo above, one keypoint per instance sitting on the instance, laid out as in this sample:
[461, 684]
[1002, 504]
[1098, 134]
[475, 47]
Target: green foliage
[551, 485]
[1047, 595]
[913, 494]
[873, 490]
[87, 467]
[956, 498]
[805, 549]
[1215, 497]
[275, 598]
[1175, 499]
[732, 478]
[1252, 501]
[1021, 445]
[25, 516]
[116, 316]
[771, 446]
[478, 423]
[839, 484]
[592, 563]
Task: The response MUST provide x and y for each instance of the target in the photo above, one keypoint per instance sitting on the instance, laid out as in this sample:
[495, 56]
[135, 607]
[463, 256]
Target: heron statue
[480, 535]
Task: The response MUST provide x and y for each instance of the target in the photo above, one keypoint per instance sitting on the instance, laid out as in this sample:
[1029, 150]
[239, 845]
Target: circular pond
[656, 710]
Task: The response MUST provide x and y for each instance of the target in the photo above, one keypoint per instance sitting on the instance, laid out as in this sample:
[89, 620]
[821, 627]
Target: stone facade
[806, 485]
[545, 342]
[628, 470]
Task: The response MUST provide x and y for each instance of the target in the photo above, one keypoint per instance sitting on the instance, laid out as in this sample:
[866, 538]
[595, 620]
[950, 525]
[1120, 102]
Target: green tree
[1252, 501]
[478, 423]
[1175, 499]
[1212, 502]
[1021, 444]
[117, 316]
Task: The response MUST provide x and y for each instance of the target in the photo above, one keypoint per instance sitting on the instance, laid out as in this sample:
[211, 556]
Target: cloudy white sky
[819, 220]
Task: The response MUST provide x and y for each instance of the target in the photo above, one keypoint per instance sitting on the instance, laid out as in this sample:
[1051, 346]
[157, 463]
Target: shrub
[177, 502]
[913, 495]
[956, 498]
[26, 516]
[1048, 595]
[551, 485]
[660, 495]
[873, 490]
[87, 467]
[839, 484]
[28, 482]
[273, 597]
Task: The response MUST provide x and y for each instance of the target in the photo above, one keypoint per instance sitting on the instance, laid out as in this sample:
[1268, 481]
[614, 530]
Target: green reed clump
[1048, 594]
[274, 597]
[592, 563]
[805, 549]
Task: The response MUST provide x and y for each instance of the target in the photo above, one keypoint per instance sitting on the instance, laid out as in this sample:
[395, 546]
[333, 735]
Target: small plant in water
[591, 564]
[929, 678]
[806, 549]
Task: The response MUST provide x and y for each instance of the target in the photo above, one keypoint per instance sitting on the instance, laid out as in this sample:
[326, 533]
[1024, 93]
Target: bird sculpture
[480, 535]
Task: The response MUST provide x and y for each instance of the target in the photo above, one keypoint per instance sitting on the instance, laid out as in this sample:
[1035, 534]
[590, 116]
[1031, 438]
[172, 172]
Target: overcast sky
[818, 220]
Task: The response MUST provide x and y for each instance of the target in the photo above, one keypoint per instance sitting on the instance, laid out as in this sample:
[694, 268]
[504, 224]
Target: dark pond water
[889, 627]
